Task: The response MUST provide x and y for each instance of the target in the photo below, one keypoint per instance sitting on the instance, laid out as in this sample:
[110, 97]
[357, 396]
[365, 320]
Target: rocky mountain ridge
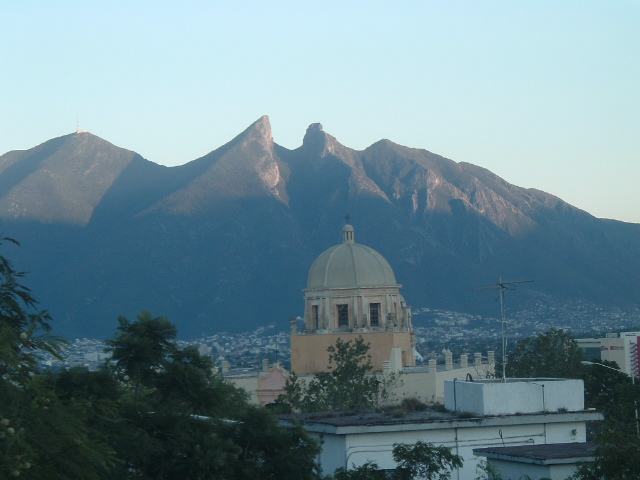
[225, 242]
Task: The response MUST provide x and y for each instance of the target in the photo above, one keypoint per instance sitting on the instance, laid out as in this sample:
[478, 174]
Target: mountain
[225, 241]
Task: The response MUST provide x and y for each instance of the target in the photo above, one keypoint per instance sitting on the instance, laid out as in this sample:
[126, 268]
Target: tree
[556, 354]
[617, 458]
[157, 412]
[368, 471]
[553, 354]
[348, 384]
[615, 395]
[24, 331]
[41, 435]
[419, 460]
[140, 349]
[181, 420]
[424, 460]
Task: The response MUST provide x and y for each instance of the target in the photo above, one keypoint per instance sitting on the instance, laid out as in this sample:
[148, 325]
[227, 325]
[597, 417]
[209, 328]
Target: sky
[545, 94]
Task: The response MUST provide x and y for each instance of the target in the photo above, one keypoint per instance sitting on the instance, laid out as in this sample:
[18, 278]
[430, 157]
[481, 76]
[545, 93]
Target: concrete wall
[493, 397]
[428, 385]
[423, 383]
[516, 470]
[309, 352]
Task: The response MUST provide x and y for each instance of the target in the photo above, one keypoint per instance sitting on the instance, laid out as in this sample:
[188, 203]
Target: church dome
[350, 265]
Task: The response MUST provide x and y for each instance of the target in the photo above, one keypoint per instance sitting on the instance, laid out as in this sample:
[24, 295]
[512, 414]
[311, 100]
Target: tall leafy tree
[554, 353]
[348, 384]
[182, 420]
[141, 349]
[615, 395]
[424, 460]
[41, 436]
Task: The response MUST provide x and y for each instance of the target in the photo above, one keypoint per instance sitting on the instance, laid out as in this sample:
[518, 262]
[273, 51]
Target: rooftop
[428, 419]
[541, 454]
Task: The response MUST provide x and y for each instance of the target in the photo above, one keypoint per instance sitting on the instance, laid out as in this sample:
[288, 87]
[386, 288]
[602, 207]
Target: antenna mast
[503, 285]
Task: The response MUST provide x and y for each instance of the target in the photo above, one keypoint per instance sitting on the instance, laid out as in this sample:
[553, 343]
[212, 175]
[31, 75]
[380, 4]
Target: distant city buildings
[621, 348]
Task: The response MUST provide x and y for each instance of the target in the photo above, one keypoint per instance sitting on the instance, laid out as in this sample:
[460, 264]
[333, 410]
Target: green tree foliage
[419, 460]
[553, 354]
[141, 349]
[484, 471]
[424, 460]
[556, 354]
[181, 420]
[24, 331]
[615, 395]
[348, 384]
[157, 412]
[41, 435]
[617, 458]
[368, 471]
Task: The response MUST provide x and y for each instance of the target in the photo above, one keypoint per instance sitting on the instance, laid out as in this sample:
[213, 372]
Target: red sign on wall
[635, 374]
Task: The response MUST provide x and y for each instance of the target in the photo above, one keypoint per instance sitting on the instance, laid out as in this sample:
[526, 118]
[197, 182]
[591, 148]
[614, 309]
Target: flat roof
[428, 419]
[544, 454]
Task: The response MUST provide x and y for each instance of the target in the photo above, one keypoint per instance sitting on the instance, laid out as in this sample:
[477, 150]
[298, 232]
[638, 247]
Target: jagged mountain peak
[259, 131]
[245, 167]
[318, 142]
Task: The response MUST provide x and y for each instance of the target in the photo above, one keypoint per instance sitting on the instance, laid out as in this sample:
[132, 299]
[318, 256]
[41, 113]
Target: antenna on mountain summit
[503, 285]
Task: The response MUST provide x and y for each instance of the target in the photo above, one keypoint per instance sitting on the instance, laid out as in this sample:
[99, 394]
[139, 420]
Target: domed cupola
[352, 293]
[350, 265]
[351, 287]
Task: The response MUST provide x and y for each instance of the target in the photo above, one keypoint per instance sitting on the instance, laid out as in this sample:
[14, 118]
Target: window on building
[343, 315]
[314, 317]
[374, 314]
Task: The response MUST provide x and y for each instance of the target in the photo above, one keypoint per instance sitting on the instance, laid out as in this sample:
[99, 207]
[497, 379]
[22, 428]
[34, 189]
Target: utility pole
[503, 285]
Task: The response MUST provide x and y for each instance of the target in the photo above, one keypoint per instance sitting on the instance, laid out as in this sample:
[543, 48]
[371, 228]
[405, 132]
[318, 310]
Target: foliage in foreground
[40, 435]
[180, 420]
[552, 354]
[556, 354]
[155, 412]
[420, 460]
[349, 383]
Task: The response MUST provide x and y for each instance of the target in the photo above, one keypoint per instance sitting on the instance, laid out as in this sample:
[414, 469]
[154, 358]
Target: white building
[621, 348]
[554, 461]
[482, 414]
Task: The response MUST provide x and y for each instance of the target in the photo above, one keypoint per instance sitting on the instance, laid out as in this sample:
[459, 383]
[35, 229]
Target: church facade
[352, 292]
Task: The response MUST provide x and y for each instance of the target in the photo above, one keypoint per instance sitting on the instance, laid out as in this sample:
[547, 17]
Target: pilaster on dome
[348, 234]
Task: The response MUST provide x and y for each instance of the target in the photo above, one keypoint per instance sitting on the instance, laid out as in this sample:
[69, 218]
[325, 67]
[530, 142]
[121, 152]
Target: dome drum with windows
[352, 291]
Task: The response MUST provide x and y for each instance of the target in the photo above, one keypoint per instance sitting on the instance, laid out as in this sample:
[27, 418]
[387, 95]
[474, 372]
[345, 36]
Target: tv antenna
[503, 285]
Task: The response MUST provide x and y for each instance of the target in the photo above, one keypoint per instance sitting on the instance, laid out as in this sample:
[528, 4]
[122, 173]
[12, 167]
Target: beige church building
[351, 292]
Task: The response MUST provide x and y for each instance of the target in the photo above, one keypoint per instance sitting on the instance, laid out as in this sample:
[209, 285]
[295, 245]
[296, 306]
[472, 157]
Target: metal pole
[504, 336]
[635, 403]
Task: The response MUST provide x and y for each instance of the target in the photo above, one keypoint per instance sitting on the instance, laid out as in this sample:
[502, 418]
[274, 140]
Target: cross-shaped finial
[346, 217]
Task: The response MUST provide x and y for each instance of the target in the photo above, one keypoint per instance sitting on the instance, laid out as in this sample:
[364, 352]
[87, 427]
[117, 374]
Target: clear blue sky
[545, 94]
